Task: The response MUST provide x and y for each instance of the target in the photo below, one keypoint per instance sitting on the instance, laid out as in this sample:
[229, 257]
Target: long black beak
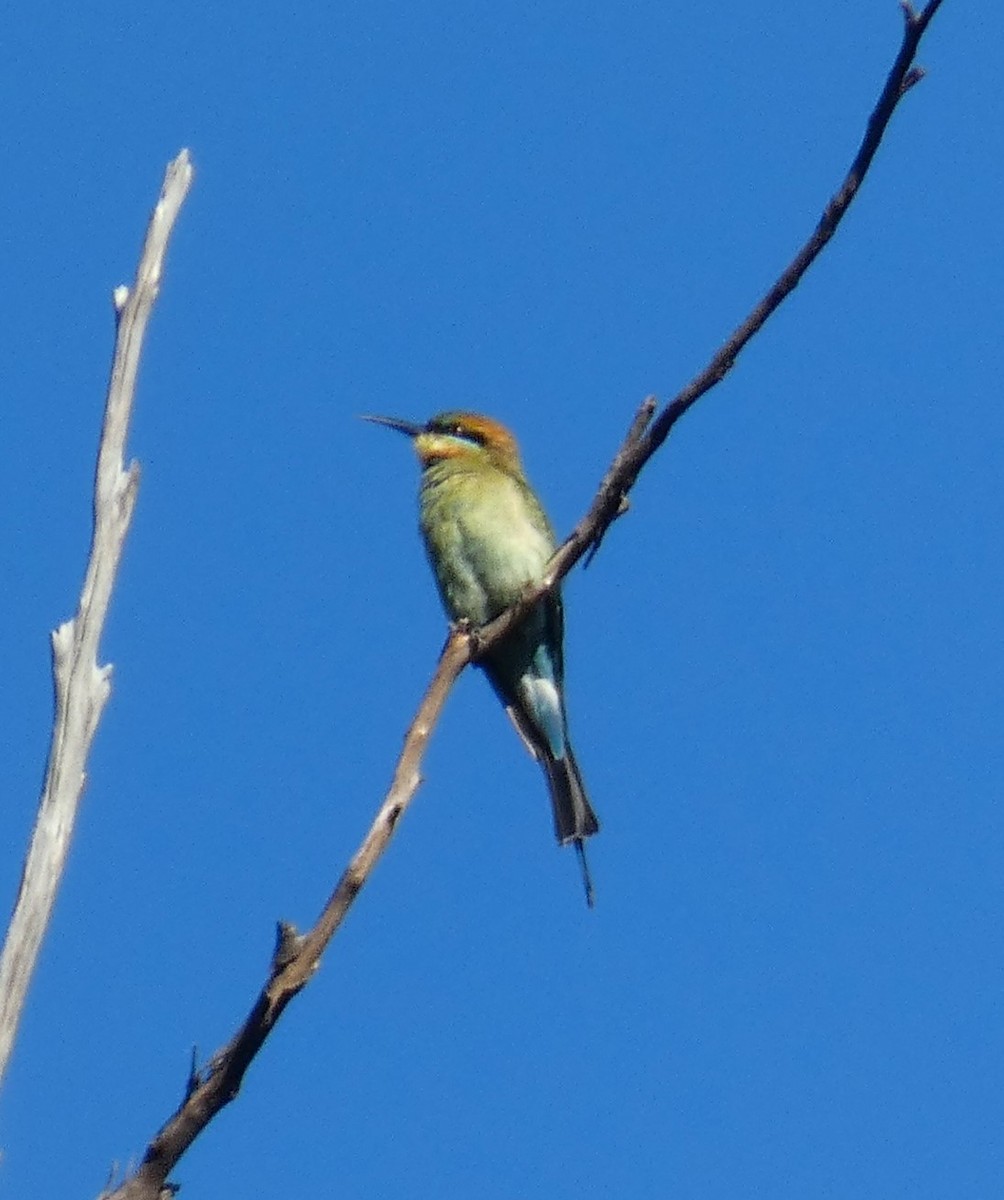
[406, 427]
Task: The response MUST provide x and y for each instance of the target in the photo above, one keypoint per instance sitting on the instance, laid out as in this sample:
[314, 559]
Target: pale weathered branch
[296, 957]
[81, 686]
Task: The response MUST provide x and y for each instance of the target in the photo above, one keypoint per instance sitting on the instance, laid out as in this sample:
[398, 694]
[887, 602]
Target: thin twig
[902, 77]
[296, 957]
[81, 686]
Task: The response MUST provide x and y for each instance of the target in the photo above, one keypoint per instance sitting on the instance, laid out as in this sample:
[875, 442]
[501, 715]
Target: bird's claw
[465, 627]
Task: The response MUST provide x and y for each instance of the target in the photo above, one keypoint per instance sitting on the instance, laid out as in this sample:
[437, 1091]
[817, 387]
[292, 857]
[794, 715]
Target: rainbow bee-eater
[488, 538]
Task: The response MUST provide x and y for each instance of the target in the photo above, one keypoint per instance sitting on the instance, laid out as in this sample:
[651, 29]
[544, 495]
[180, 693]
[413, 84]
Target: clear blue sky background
[785, 668]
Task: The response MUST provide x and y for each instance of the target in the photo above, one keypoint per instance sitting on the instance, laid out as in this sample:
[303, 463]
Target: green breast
[486, 536]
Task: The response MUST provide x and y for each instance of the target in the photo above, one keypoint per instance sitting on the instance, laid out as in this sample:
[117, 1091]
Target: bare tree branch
[640, 445]
[81, 686]
[296, 957]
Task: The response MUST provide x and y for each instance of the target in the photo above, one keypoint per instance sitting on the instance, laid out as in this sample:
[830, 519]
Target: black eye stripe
[452, 429]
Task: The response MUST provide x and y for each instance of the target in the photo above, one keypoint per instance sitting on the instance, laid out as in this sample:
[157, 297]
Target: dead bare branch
[81, 686]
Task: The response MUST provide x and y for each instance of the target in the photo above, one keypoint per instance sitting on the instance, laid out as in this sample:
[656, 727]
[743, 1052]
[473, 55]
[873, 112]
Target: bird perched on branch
[487, 538]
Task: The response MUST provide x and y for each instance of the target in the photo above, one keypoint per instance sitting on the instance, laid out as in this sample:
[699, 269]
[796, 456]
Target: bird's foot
[465, 627]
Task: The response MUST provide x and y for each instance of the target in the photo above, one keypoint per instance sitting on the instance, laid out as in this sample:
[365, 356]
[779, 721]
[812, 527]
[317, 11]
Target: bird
[488, 538]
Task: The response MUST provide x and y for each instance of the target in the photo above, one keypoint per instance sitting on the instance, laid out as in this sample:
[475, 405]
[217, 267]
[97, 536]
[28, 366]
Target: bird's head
[466, 436]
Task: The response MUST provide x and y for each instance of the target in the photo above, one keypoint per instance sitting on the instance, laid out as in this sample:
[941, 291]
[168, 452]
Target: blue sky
[785, 667]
